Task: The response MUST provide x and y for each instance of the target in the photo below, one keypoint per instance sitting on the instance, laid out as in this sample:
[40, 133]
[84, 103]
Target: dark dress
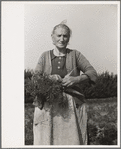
[58, 65]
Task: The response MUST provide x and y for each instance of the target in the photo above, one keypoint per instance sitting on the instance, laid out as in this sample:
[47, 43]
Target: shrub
[105, 86]
[28, 74]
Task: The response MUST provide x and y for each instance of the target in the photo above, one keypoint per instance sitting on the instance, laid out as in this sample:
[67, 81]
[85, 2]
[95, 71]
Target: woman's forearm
[82, 78]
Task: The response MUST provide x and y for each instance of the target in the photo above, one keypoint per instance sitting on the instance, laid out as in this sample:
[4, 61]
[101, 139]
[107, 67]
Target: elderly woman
[69, 126]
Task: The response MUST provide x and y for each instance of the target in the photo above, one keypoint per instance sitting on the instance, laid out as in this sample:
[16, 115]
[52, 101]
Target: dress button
[58, 67]
[59, 57]
[58, 62]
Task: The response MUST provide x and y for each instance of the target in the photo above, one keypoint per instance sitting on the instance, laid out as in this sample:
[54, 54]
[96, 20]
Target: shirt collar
[56, 53]
[54, 56]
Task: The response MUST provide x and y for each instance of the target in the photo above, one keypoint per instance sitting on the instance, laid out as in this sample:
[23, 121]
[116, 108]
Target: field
[102, 122]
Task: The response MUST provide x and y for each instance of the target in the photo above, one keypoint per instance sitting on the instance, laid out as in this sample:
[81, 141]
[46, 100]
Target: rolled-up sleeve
[84, 65]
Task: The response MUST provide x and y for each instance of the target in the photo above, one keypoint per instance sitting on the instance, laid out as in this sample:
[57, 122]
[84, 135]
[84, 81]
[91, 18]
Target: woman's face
[60, 37]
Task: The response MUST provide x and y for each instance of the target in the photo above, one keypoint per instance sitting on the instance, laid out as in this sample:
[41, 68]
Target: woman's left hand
[70, 81]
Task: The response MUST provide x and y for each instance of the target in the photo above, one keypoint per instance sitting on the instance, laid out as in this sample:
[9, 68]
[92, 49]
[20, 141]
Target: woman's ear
[52, 38]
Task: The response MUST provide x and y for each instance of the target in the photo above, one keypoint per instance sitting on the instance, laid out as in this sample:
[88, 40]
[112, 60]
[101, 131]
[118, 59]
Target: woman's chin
[61, 47]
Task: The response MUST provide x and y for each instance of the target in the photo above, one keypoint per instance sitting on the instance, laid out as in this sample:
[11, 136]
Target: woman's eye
[65, 36]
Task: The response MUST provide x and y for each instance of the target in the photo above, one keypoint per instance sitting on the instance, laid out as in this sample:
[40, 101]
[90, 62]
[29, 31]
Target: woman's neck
[59, 52]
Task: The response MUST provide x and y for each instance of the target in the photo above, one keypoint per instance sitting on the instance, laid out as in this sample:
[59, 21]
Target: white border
[118, 72]
[72, 2]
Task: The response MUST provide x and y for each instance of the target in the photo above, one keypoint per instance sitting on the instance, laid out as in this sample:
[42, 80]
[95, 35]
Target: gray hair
[62, 26]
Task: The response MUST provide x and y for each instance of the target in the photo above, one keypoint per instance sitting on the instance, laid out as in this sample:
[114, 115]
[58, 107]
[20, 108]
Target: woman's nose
[61, 38]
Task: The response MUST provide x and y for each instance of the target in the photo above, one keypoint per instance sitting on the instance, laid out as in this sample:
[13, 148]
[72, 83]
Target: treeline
[105, 86]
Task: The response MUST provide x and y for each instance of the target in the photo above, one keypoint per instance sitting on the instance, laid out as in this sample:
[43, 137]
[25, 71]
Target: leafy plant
[45, 88]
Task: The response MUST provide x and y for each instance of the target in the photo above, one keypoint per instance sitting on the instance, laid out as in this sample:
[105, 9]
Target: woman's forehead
[61, 30]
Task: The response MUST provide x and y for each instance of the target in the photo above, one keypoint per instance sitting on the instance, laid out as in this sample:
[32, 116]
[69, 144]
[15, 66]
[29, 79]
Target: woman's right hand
[55, 77]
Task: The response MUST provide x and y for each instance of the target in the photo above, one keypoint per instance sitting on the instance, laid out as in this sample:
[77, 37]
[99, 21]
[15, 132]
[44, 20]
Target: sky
[94, 32]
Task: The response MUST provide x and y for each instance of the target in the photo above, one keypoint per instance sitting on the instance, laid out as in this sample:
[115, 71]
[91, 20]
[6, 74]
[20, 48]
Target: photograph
[60, 74]
[70, 74]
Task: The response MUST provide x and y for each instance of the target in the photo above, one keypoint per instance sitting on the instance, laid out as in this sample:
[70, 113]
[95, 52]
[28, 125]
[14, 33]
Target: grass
[102, 122]
[29, 114]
